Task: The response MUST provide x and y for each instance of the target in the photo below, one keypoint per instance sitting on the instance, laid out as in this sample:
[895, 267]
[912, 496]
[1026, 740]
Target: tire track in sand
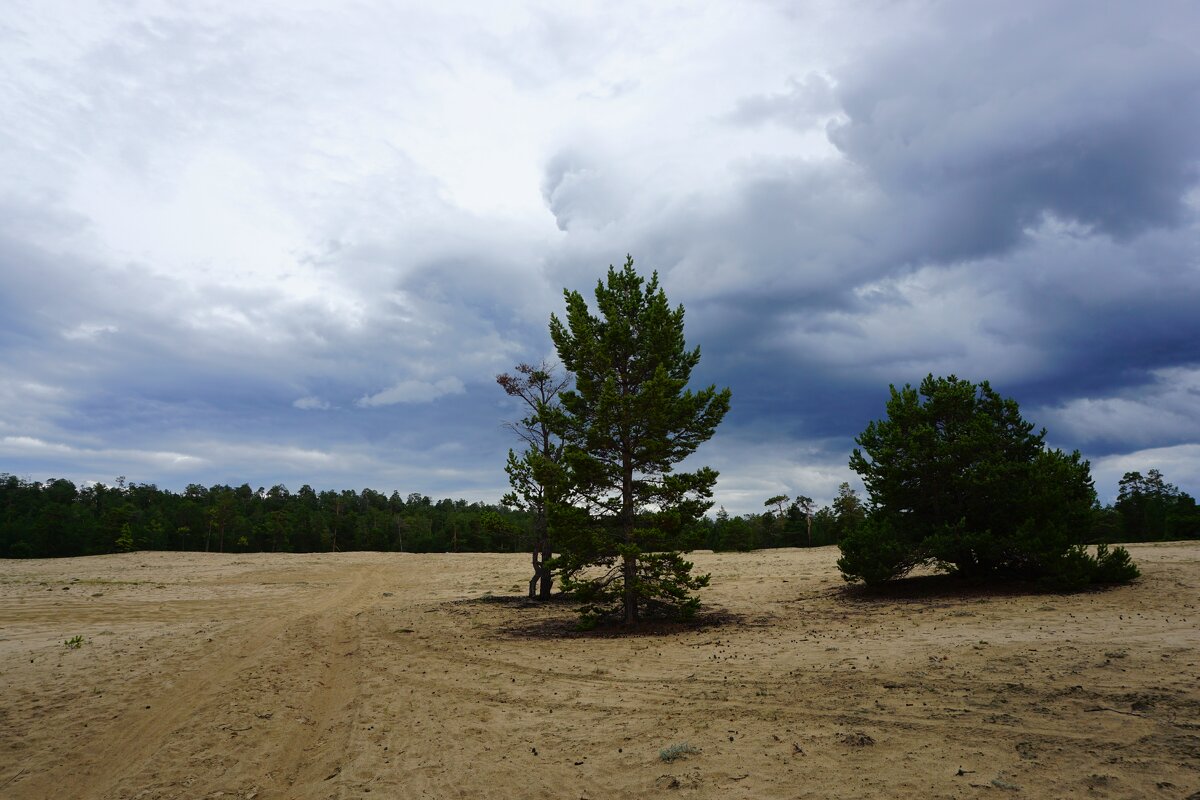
[258, 716]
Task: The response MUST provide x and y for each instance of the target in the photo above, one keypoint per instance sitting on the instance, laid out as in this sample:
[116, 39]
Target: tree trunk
[337, 518]
[630, 570]
[539, 584]
[547, 578]
[544, 523]
[629, 567]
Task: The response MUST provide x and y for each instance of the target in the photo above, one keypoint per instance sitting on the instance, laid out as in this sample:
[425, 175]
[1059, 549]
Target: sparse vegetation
[677, 751]
[74, 643]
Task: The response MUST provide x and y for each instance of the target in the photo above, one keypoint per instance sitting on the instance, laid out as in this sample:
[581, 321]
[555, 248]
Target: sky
[289, 242]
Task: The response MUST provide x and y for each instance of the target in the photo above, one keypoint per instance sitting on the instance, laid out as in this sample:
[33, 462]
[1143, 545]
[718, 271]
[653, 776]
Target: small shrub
[675, 751]
[1070, 572]
[1114, 566]
[875, 554]
[1077, 569]
[125, 542]
[74, 643]
[858, 740]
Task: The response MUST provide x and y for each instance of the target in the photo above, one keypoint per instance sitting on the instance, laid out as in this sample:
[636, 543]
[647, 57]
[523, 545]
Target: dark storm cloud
[1051, 157]
[1107, 315]
[1016, 201]
[1087, 112]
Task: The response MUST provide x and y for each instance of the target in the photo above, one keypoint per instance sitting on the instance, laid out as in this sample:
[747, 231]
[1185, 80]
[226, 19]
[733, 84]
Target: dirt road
[347, 675]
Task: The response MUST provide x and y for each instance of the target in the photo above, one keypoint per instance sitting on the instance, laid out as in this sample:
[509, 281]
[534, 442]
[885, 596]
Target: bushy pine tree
[957, 478]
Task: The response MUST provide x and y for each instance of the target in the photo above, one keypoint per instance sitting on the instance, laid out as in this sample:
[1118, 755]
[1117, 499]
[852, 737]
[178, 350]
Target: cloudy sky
[282, 242]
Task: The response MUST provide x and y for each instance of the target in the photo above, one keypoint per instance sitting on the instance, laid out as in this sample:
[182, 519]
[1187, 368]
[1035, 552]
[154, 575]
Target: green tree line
[1147, 509]
[788, 523]
[57, 519]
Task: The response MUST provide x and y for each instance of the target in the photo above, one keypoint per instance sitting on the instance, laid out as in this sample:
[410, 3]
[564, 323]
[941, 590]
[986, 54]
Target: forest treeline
[56, 518]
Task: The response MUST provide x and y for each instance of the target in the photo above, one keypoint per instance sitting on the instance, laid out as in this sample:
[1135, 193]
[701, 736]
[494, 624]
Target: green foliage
[662, 582]
[1150, 509]
[536, 475]
[848, 511]
[1076, 568]
[740, 534]
[53, 519]
[785, 525]
[874, 553]
[958, 479]
[1071, 571]
[677, 751]
[825, 529]
[626, 424]
[124, 542]
[74, 643]
[1114, 566]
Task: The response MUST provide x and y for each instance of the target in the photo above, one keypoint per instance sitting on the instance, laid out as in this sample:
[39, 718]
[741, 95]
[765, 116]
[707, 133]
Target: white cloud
[29, 446]
[88, 331]
[931, 320]
[1165, 409]
[755, 467]
[311, 403]
[412, 392]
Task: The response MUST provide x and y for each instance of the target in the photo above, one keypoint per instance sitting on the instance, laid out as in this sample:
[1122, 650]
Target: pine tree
[958, 479]
[625, 425]
[534, 474]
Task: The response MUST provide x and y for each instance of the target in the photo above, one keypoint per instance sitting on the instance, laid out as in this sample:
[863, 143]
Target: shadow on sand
[556, 618]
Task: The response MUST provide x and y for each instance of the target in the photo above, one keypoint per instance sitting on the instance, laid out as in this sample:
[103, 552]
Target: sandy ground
[347, 675]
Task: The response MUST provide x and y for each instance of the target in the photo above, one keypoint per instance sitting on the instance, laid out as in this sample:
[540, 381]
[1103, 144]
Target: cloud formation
[274, 245]
[412, 392]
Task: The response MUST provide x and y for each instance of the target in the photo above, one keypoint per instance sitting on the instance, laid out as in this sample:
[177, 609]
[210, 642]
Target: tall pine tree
[629, 420]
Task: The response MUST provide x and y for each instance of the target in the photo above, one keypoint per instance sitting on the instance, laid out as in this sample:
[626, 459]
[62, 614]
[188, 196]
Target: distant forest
[57, 519]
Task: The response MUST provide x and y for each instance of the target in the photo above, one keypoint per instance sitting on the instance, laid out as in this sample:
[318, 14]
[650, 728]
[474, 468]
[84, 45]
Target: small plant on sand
[675, 751]
[74, 643]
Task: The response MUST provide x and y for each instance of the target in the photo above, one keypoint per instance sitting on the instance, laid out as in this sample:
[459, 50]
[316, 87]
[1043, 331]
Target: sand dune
[339, 676]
